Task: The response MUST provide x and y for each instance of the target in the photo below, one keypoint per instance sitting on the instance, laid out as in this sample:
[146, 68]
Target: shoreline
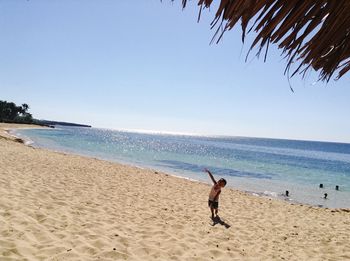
[157, 171]
[130, 164]
[60, 206]
[273, 195]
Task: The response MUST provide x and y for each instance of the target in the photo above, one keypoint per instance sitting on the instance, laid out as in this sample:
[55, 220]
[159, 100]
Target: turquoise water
[266, 167]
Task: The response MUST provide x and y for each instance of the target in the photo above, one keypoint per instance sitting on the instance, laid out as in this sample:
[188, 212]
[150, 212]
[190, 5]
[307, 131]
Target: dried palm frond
[313, 33]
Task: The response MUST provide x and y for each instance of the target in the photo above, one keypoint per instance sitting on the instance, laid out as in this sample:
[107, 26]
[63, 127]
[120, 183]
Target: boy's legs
[212, 212]
[214, 208]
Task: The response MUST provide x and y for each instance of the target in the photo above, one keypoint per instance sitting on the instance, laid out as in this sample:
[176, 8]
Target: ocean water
[264, 167]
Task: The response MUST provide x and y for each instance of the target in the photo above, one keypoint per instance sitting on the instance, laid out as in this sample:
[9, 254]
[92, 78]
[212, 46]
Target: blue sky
[148, 65]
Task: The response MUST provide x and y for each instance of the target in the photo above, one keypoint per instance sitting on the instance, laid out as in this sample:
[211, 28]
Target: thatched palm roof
[311, 33]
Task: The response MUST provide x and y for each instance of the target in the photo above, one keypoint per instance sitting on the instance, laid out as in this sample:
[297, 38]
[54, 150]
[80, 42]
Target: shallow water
[264, 166]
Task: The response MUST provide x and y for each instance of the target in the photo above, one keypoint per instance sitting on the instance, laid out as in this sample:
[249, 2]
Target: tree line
[10, 112]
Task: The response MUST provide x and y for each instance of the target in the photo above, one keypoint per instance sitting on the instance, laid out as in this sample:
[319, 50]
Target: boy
[213, 201]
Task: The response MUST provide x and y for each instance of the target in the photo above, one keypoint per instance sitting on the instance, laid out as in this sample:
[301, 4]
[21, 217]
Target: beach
[57, 206]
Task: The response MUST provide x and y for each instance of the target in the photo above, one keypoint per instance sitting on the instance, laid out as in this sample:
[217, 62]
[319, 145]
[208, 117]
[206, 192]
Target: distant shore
[68, 207]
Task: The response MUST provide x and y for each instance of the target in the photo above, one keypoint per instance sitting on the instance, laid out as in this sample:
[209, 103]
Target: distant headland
[62, 123]
[12, 113]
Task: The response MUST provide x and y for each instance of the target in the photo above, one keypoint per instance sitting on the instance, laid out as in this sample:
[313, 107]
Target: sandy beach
[55, 206]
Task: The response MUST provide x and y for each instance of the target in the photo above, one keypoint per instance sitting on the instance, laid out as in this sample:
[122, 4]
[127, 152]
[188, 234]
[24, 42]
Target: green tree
[25, 108]
[10, 112]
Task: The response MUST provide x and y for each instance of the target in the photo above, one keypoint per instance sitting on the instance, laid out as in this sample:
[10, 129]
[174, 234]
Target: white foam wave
[15, 134]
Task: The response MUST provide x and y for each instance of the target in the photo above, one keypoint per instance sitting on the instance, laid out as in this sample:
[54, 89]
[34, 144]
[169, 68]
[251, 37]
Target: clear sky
[148, 65]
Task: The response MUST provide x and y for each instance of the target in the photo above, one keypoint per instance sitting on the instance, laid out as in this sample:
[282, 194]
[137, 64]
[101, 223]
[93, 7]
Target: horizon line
[193, 134]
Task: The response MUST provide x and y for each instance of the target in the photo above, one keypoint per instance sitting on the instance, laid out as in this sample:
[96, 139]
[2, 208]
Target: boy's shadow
[217, 220]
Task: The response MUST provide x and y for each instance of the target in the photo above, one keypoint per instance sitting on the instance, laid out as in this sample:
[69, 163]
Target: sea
[260, 166]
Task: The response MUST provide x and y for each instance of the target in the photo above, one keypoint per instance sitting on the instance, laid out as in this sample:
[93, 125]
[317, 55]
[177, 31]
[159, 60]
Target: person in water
[215, 191]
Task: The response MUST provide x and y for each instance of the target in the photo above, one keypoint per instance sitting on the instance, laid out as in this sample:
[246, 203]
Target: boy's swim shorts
[213, 204]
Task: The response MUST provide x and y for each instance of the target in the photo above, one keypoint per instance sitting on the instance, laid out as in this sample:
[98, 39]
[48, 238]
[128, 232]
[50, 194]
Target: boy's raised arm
[210, 175]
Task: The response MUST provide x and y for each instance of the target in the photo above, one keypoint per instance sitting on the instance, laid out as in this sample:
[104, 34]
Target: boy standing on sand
[215, 191]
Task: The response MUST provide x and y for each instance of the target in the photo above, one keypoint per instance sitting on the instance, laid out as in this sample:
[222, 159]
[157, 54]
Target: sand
[55, 206]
